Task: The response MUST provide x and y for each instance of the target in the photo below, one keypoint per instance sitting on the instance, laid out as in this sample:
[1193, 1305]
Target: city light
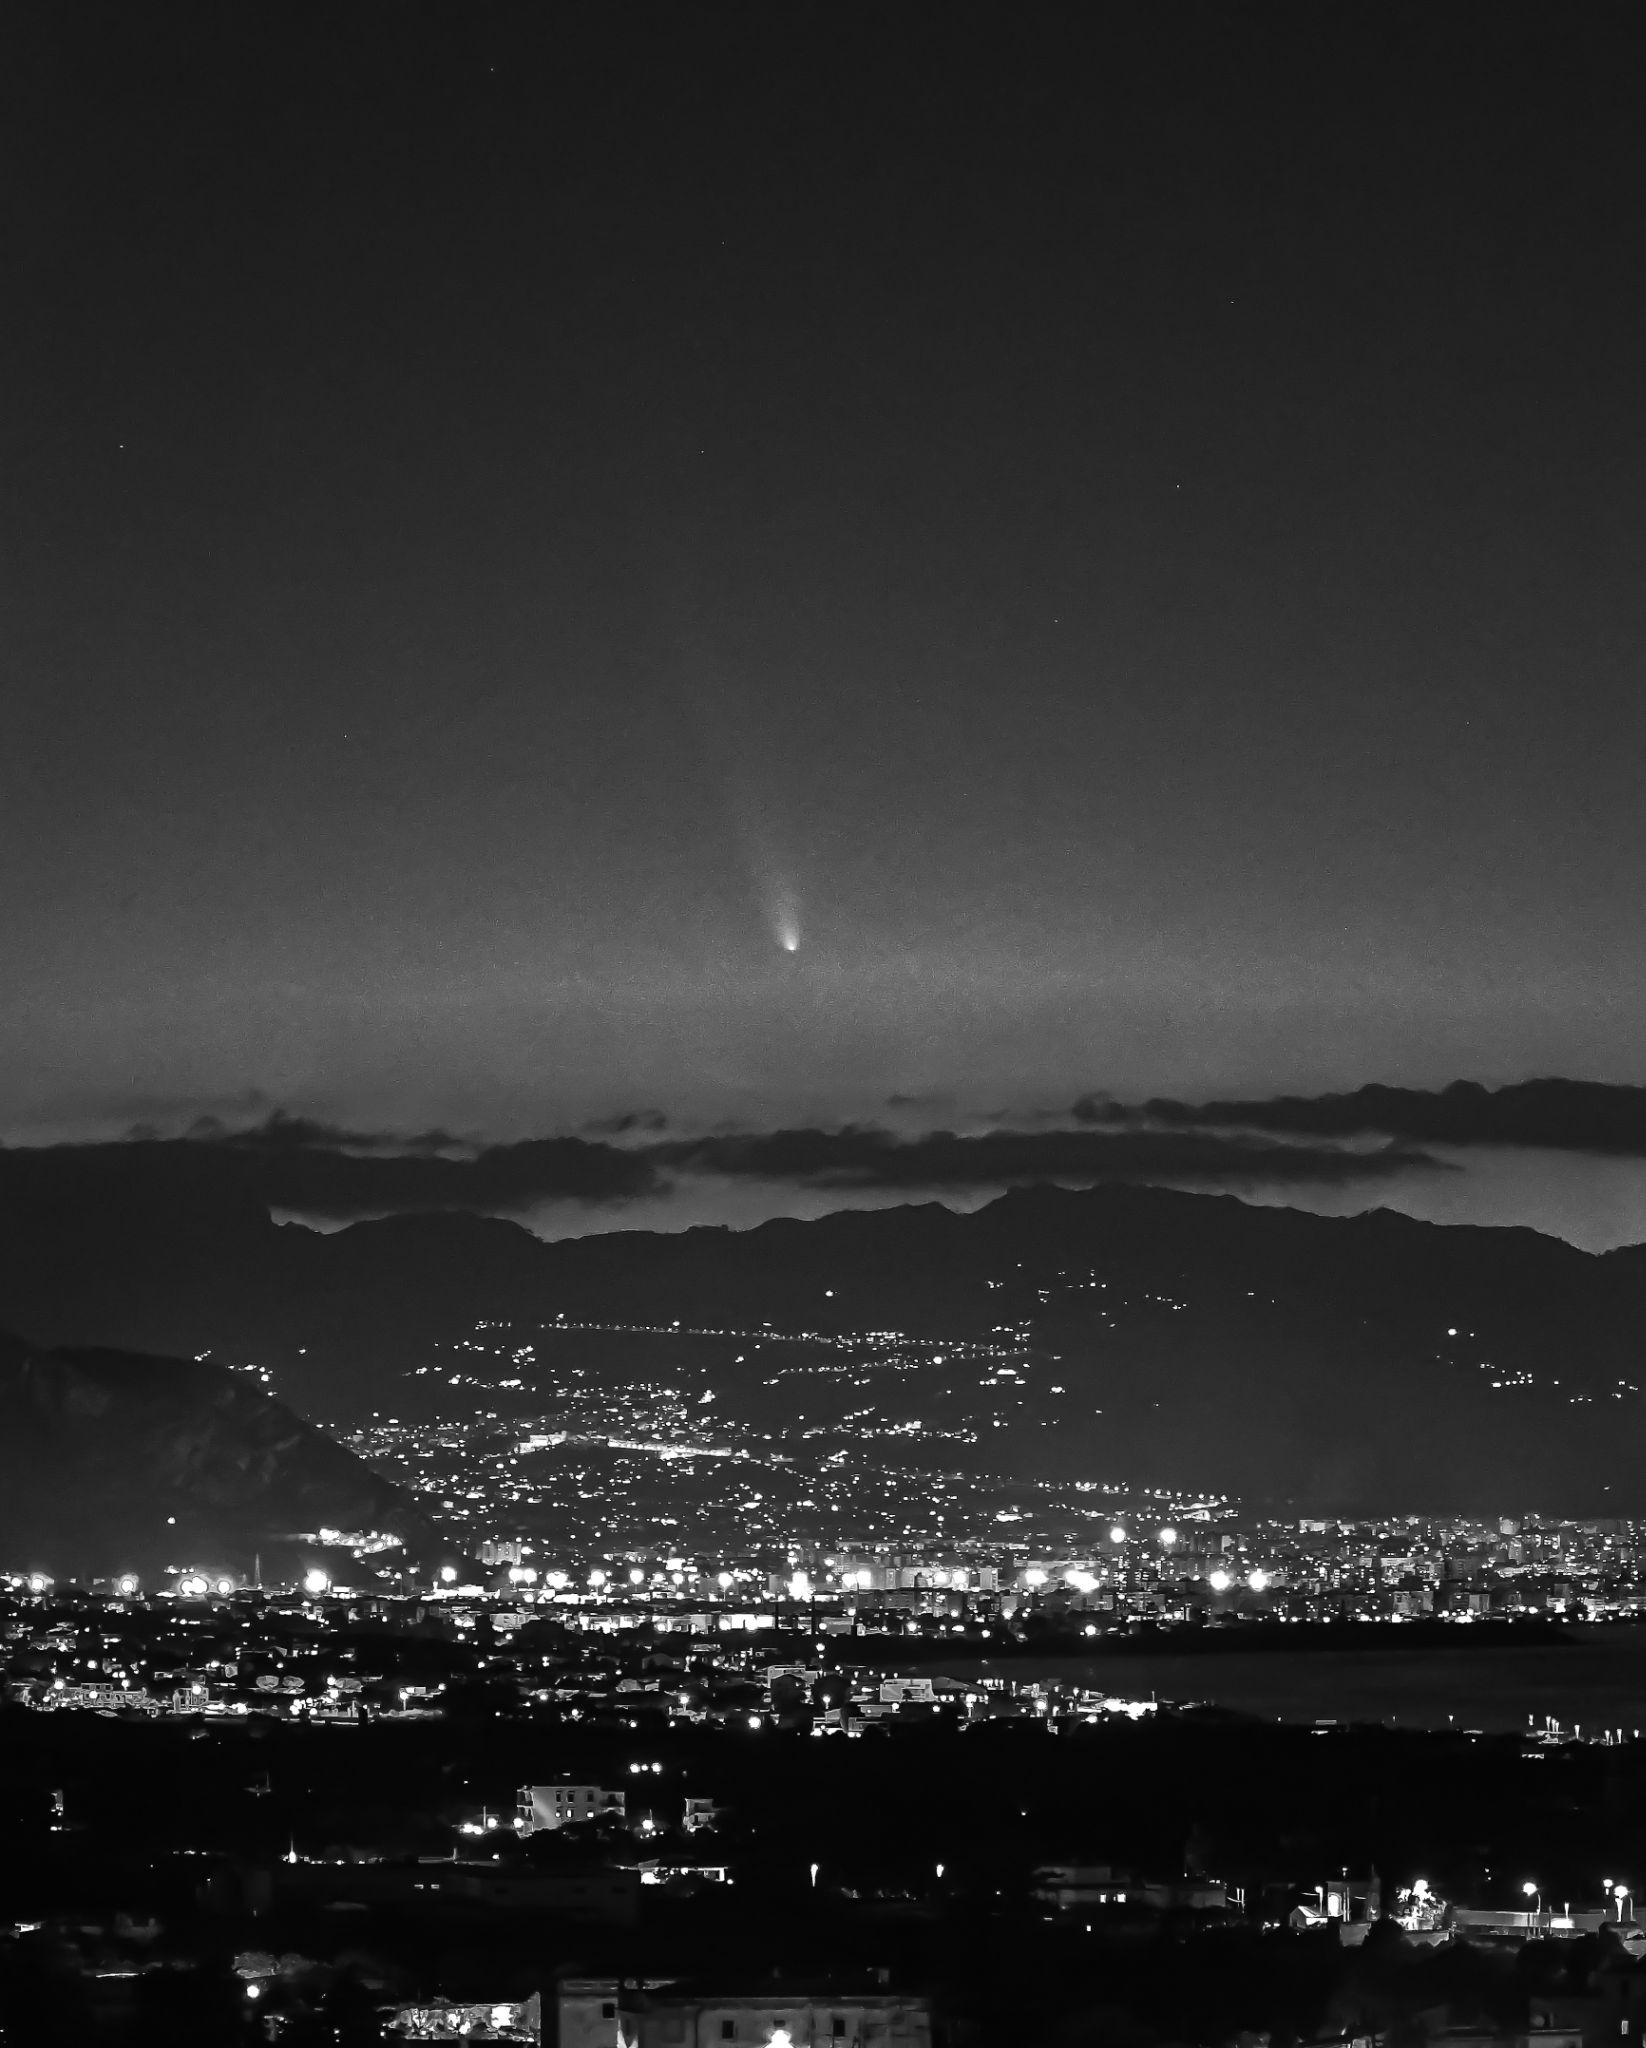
[1117, 1534]
[1167, 1538]
[1034, 1576]
[316, 1581]
[448, 1575]
[1219, 1580]
[1257, 1580]
[126, 1585]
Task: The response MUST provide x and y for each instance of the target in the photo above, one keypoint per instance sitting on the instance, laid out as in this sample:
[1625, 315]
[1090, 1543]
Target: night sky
[1119, 530]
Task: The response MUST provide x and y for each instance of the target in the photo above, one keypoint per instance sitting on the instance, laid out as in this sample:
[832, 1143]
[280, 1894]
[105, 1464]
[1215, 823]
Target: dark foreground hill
[112, 1462]
[1337, 1364]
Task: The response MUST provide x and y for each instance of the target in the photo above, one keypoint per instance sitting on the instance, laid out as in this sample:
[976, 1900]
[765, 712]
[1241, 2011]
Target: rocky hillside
[111, 1461]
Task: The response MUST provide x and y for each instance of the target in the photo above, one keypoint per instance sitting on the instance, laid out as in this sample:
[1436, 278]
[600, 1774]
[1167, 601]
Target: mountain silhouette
[113, 1462]
[1337, 1364]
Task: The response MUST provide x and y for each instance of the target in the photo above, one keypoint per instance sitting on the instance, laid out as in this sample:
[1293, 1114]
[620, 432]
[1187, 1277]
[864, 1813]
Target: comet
[785, 916]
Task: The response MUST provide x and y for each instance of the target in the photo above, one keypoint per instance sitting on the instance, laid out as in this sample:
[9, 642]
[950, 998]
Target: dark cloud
[298, 1166]
[629, 1120]
[186, 1176]
[282, 1133]
[866, 1156]
[1567, 1116]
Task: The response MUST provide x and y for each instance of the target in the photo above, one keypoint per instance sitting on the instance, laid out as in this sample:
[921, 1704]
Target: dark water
[1596, 1678]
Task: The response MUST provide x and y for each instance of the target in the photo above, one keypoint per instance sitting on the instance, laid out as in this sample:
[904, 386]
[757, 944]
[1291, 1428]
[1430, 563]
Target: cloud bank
[1568, 1157]
[306, 1167]
[1567, 1116]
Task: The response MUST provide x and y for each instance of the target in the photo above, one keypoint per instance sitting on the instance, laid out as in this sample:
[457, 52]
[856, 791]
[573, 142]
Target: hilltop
[113, 1462]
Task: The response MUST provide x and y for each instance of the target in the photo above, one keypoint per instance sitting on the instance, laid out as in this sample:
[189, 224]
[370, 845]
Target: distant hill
[113, 1462]
[1333, 1363]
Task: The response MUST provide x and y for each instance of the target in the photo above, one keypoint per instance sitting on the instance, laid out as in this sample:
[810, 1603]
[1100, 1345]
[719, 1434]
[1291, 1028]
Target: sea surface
[1594, 1679]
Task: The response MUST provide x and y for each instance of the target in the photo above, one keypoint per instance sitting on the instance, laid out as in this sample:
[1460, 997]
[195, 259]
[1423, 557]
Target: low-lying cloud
[1556, 1115]
[304, 1167]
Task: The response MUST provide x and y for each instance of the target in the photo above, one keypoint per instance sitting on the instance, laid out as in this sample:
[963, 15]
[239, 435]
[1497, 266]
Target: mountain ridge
[1371, 1361]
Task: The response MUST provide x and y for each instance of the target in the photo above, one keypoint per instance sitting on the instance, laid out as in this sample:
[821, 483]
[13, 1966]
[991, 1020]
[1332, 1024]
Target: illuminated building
[557, 1806]
[611, 2012]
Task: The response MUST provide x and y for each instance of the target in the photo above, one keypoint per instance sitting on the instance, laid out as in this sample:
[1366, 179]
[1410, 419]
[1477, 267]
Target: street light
[1531, 1892]
[1620, 1892]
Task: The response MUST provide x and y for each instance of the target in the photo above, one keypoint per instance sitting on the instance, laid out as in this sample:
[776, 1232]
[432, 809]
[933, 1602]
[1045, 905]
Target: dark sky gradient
[1126, 522]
